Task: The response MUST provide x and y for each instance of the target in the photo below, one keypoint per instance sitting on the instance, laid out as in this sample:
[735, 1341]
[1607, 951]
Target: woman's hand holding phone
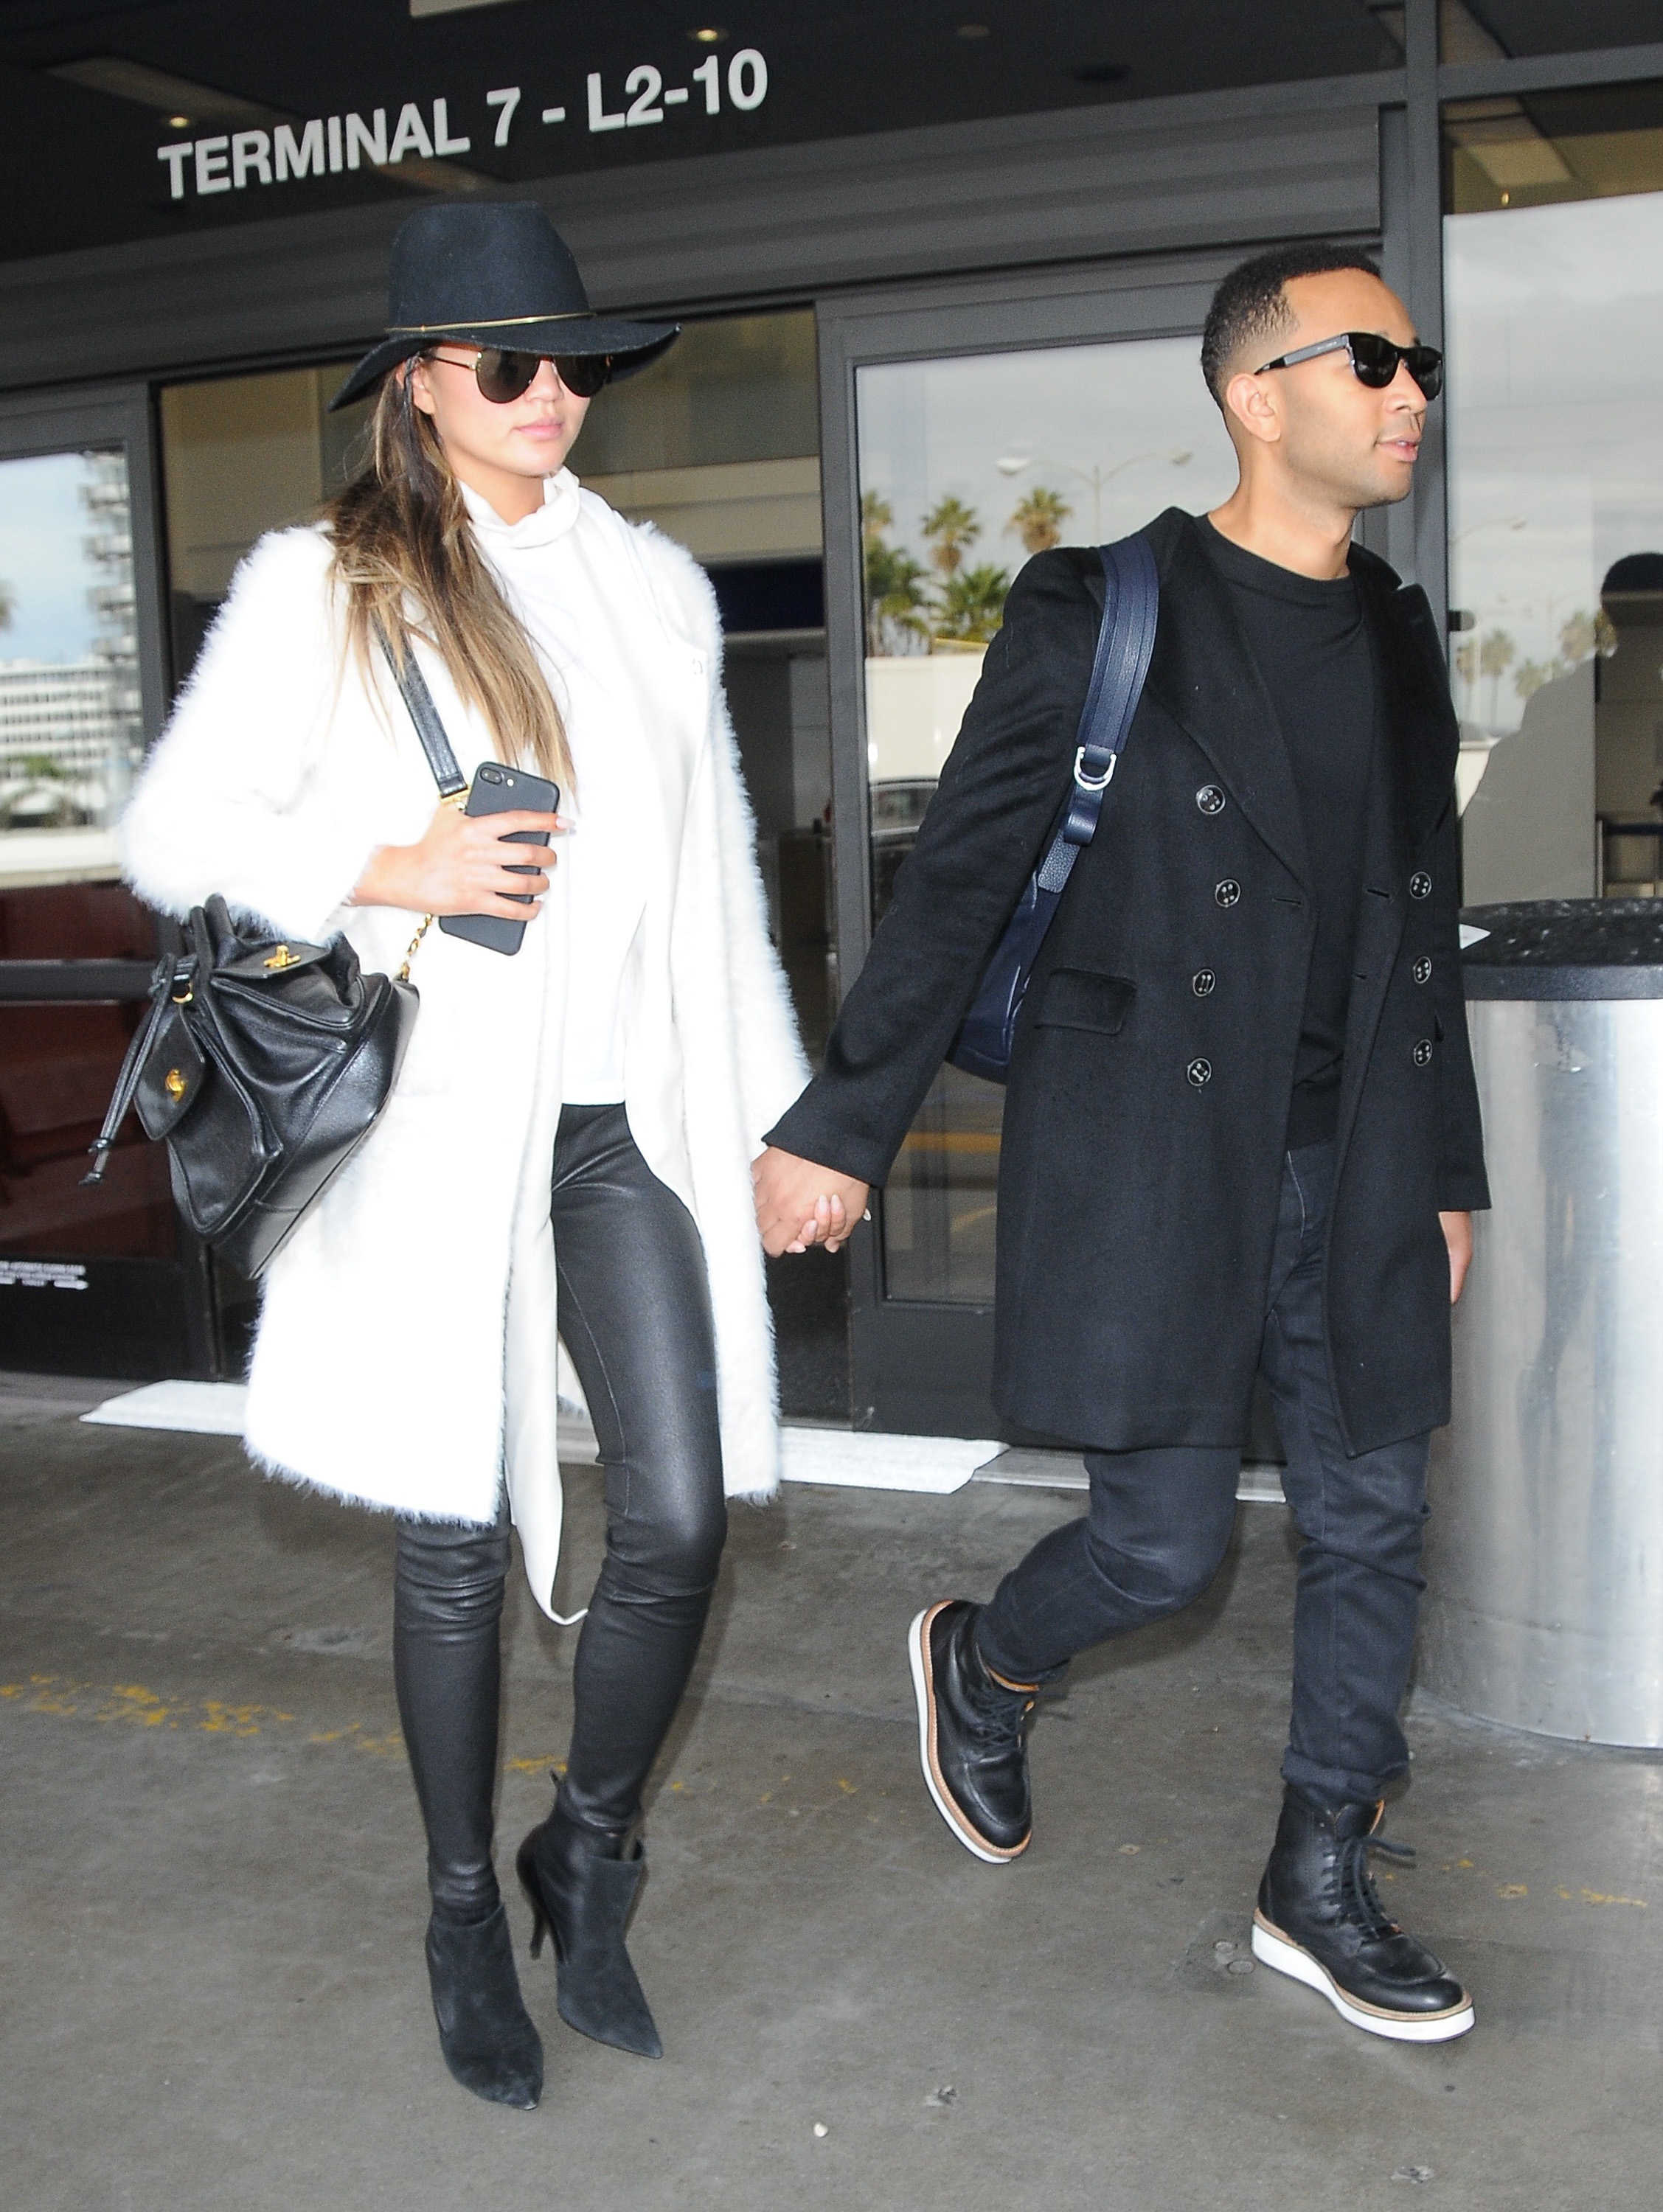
[462, 866]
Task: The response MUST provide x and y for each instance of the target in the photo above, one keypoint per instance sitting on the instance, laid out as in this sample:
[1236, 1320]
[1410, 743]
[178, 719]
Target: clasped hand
[800, 1204]
[461, 866]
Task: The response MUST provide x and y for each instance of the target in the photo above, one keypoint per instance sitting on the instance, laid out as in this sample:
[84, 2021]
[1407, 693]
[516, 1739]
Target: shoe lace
[1358, 1894]
[1000, 1721]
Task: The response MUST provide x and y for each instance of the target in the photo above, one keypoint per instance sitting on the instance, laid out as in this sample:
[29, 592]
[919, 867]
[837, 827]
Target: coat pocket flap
[1075, 999]
[171, 1077]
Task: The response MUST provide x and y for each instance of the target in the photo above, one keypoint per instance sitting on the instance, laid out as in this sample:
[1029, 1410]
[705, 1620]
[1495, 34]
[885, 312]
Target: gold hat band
[489, 322]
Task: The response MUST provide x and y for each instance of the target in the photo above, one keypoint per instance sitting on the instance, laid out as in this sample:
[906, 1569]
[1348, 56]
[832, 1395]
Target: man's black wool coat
[1149, 1092]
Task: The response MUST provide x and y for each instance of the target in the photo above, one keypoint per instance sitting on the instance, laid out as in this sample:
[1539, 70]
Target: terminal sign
[232, 161]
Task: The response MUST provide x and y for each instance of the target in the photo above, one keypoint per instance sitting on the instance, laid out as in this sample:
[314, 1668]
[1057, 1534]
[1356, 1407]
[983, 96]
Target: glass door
[980, 435]
[95, 1280]
[1553, 269]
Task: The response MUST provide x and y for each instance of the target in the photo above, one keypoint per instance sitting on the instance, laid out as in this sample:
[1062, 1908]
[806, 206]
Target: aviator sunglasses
[1374, 359]
[502, 376]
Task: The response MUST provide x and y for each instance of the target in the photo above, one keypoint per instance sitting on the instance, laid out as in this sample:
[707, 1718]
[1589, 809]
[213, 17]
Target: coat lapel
[1203, 676]
[1421, 736]
[1410, 784]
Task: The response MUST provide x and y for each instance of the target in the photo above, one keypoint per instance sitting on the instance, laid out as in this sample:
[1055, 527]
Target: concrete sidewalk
[211, 1902]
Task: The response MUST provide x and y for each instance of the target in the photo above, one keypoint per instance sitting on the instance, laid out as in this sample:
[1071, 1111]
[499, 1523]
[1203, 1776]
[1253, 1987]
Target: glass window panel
[1484, 30]
[1549, 147]
[1555, 328]
[242, 455]
[70, 732]
[968, 466]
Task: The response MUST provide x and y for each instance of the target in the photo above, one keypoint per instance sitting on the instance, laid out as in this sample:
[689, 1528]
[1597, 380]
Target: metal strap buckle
[1092, 782]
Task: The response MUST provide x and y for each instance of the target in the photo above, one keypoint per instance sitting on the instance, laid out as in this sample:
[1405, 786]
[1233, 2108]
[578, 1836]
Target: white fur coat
[405, 1355]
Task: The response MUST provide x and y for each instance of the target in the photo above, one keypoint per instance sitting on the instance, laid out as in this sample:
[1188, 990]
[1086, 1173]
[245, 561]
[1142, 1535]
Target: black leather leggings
[635, 1312]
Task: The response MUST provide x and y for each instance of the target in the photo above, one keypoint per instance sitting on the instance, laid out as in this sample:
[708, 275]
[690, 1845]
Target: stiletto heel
[541, 1924]
[581, 1891]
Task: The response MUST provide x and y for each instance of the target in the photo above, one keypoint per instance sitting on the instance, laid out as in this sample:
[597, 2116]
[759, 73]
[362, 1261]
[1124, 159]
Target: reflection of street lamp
[1490, 522]
[1012, 465]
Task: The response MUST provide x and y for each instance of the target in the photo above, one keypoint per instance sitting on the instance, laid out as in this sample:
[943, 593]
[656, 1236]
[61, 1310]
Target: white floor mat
[934, 1465]
[206, 1409]
[857, 1459]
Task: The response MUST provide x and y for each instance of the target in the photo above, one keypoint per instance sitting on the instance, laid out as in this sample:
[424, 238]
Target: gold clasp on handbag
[281, 957]
[174, 1084]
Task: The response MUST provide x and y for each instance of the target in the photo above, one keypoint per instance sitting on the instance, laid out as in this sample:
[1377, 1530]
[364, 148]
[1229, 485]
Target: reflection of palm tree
[1039, 520]
[894, 594]
[952, 528]
[876, 515]
[7, 603]
[1496, 654]
[972, 604]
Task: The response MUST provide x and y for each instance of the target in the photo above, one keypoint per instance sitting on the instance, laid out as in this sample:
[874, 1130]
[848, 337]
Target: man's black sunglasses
[502, 376]
[1374, 359]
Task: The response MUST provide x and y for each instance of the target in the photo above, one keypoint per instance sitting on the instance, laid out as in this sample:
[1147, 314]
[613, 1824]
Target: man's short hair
[1251, 304]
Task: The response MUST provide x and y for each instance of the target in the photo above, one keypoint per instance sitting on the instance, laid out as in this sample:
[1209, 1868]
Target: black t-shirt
[1307, 636]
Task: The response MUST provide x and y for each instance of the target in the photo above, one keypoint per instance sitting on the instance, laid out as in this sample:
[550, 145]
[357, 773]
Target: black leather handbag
[1126, 639]
[263, 1063]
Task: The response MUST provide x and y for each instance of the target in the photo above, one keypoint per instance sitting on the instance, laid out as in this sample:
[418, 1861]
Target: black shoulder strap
[1126, 639]
[408, 676]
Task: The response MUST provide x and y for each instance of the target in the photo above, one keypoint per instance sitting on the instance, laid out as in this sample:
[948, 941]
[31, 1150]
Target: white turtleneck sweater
[578, 601]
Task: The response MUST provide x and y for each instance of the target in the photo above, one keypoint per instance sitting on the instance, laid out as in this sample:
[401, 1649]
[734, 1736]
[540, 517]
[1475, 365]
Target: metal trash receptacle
[1544, 1559]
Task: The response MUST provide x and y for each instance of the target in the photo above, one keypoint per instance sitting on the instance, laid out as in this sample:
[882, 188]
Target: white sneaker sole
[1273, 1949]
[918, 1650]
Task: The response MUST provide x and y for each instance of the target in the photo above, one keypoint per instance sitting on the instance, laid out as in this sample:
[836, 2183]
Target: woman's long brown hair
[400, 535]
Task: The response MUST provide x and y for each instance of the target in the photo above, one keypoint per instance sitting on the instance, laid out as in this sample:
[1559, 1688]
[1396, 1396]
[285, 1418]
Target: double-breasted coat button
[1227, 892]
[1422, 1055]
[1420, 885]
[1200, 1072]
[1211, 800]
[1203, 981]
[1422, 969]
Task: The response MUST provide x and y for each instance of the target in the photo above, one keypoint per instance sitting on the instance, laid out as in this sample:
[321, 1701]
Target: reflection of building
[109, 547]
[58, 728]
[913, 705]
[70, 731]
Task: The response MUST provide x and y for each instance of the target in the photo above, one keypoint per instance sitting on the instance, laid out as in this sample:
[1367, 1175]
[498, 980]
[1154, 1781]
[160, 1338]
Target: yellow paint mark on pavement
[1599, 1897]
[1512, 1889]
[236, 1720]
[136, 1705]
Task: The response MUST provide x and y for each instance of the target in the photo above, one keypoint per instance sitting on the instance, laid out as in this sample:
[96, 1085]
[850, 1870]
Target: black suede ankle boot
[1320, 1919]
[485, 2033]
[581, 1882]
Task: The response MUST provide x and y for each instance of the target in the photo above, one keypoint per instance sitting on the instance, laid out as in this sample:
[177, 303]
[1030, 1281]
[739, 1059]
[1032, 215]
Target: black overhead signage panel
[137, 121]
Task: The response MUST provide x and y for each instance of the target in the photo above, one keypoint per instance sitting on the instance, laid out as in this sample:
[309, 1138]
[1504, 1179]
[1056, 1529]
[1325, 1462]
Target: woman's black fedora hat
[493, 273]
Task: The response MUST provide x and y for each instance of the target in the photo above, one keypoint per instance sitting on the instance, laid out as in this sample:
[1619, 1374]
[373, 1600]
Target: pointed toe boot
[485, 2033]
[582, 1883]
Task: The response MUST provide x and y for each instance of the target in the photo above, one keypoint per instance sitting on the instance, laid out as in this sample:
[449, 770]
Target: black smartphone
[498, 790]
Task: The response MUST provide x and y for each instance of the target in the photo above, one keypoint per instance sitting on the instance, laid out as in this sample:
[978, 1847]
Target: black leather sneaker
[1320, 1919]
[972, 1734]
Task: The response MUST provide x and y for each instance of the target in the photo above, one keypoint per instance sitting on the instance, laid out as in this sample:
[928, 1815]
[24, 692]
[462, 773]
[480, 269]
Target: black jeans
[635, 1312]
[1159, 1521]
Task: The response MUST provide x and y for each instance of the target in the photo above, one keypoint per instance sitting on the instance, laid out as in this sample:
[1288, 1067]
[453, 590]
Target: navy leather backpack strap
[1126, 639]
